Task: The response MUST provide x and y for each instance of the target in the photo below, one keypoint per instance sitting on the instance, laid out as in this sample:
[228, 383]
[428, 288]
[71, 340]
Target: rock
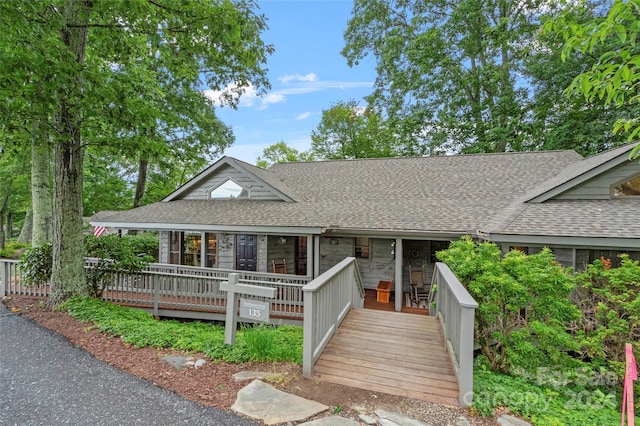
[387, 418]
[331, 421]
[261, 401]
[199, 363]
[462, 421]
[368, 420]
[508, 420]
[251, 375]
[177, 362]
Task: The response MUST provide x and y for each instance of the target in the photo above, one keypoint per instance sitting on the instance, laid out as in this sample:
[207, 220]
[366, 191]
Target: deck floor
[388, 352]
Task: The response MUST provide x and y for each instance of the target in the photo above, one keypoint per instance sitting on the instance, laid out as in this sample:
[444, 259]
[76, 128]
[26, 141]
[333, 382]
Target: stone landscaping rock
[261, 401]
[332, 421]
[386, 418]
[462, 421]
[368, 420]
[507, 420]
[177, 362]
[251, 375]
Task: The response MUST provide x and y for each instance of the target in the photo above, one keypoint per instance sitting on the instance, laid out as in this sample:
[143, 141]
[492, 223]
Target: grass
[545, 404]
[262, 343]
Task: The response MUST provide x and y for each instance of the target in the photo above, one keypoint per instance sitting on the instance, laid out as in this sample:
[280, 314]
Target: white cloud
[302, 84]
[297, 77]
[303, 116]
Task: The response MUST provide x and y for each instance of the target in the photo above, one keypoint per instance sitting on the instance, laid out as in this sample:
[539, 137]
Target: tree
[449, 73]
[281, 153]
[615, 75]
[83, 67]
[349, 131]
[566, 120]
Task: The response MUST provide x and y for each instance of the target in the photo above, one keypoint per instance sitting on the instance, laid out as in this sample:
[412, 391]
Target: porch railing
[174, 288]
[327, 300]
[456, 309]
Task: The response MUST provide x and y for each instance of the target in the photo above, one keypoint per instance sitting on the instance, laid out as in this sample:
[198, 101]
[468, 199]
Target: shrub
[12, 250]
[524, 304]
[112, 252]
[35, 265]
[610, 302]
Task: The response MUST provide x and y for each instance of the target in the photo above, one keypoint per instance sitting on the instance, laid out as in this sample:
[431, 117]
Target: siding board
[599, 188]
[257, 190]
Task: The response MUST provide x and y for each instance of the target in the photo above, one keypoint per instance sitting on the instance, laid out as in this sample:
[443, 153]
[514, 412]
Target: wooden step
[390, 352]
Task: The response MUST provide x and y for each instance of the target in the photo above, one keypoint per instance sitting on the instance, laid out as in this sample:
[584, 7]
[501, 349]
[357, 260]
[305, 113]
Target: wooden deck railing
[176, 290]
[456, 309]
[327, 300]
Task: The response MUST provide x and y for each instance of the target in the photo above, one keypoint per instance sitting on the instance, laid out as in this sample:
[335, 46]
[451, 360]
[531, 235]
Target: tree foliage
[448, 72]
[566, 119]
[281, 153]
[120, 75]
[615, 76]
[349, 131]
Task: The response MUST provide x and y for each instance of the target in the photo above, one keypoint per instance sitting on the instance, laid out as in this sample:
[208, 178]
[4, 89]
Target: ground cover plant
[551, 339]
[261, 343]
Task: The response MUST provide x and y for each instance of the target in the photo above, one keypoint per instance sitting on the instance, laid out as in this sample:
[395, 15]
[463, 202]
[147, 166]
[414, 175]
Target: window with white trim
[229, 189]
[628, 188]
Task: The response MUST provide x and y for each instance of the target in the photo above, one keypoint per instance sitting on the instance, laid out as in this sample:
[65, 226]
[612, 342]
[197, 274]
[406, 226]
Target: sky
[307, 75]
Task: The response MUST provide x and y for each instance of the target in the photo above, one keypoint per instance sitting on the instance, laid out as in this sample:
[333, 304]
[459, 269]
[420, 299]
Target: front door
[246, 252]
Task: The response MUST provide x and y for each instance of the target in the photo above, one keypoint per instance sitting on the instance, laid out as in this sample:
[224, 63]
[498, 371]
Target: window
[175, 244]
[185, 248]
[362, 250]
[630, 187]
[229, 189]
[212, 250]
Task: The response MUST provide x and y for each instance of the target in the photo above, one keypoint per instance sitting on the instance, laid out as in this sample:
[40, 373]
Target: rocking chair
[279, 268]
[419, 290]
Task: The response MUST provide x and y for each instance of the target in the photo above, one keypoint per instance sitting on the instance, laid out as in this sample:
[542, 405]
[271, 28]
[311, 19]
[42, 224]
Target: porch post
[311, 257]
[316, 256]
[398, 274]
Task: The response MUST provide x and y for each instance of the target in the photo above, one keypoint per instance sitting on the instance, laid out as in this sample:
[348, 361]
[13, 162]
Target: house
[394, 214]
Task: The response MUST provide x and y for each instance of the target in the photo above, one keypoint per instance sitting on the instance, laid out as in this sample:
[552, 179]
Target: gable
[601, 187]
[254, 183]
[589, 179]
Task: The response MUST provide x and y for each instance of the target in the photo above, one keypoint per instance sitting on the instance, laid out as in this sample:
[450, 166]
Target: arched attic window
[228, 190]
[627, 188]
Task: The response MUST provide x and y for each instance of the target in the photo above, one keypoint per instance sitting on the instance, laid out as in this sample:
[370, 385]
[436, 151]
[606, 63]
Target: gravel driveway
[45, 380]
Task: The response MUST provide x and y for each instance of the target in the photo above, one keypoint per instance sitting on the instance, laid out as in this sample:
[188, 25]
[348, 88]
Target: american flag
[99, 230]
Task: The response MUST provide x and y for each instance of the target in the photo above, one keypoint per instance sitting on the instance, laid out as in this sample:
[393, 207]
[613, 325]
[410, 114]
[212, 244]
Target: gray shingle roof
[456, 194]
[617, 218]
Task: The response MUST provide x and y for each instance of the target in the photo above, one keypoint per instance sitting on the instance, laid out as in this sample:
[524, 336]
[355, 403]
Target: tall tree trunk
[143, 167]
[3, 212]
[67, 276]
[27, 228]
[41, 201]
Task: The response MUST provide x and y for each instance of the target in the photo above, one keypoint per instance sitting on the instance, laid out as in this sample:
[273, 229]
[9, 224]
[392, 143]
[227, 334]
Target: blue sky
[307, 74]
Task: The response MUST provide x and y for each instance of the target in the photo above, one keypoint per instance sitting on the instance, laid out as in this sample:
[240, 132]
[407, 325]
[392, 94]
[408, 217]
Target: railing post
[308, 338]
[155, 282]
[3, 279]
[465, 381]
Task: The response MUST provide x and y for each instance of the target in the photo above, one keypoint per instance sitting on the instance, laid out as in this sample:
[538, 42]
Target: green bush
[35, 265]
[524, 305]
[12, 250]
[572, 399]
[136, 327]
[610, 302]
[113, 253]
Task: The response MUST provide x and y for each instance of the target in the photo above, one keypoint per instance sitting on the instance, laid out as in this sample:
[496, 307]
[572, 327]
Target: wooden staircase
[389, 352]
